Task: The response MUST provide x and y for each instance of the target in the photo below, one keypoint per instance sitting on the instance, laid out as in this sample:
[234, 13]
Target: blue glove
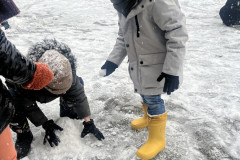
[5, 25]
[110, 67]
[171, 82]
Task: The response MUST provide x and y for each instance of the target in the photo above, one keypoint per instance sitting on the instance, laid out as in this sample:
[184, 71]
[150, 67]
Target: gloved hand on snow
[50, 136]
[108, 68]
[89, 127]
[171, 82]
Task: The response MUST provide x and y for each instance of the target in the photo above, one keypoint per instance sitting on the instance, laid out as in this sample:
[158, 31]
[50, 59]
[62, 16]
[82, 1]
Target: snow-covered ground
[204, 115]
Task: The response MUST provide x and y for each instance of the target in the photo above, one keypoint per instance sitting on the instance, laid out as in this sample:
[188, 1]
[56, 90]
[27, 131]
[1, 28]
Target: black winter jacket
[74, 97]
[17, 69]
[230, 13]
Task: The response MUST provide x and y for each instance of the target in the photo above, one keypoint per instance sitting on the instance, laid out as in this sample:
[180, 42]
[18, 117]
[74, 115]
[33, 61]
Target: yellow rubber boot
[156, 140]
[141, 122]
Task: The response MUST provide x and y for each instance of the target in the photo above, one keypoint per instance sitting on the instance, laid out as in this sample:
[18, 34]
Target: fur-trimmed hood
[38, 49]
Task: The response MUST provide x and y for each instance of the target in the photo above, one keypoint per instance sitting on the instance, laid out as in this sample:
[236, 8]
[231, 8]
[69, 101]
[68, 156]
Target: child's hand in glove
[89, 127]
[108, 68]
[171, 82]
[50, 136]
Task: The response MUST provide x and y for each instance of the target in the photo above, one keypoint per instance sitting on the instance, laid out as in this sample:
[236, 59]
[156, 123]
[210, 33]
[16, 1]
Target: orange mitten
[42, 77]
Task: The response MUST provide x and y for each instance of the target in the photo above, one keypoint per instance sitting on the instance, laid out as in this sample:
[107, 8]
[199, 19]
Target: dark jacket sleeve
[75, 97]
[35, 115]
[17, 69]
[6, 107]
[32, 112]
[25, 106]
[14, 66]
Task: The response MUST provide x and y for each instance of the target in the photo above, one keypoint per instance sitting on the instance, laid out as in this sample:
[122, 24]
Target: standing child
[153, 35]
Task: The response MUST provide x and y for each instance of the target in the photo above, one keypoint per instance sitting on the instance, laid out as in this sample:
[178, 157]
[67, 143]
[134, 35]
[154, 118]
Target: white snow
[204, 114]
[102, 72]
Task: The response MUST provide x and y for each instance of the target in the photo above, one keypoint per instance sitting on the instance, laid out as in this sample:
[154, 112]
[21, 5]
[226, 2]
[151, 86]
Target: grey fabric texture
[153, 36]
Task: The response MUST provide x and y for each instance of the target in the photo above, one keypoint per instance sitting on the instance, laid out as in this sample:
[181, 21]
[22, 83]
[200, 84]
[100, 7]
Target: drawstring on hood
[124, 6]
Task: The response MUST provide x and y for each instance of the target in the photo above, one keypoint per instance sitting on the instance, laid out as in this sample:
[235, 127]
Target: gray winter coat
[153, 35]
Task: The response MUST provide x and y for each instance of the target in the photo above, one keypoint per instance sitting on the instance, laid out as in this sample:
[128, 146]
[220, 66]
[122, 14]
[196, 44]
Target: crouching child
[66, 86]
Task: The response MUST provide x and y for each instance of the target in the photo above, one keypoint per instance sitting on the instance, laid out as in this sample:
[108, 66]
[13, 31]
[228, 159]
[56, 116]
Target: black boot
[23, 144]
[24, 138]
[66, 111]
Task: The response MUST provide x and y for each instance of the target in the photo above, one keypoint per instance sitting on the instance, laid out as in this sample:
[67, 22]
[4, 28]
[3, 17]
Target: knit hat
[62, 70]
[8, 9]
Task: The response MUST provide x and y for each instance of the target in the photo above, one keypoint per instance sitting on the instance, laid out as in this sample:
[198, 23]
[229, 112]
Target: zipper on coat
[138, 28]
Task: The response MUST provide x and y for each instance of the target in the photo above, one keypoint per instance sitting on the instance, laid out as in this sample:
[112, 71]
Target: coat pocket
[151, 66]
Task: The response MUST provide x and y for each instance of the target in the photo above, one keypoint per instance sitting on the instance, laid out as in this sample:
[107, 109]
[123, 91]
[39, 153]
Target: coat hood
[38, 49]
